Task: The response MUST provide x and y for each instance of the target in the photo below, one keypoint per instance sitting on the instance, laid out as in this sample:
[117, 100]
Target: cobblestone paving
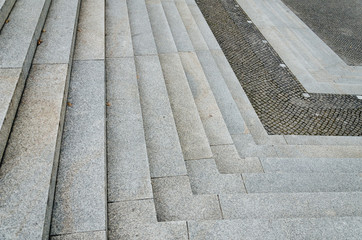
[275, 93]
[338, 23]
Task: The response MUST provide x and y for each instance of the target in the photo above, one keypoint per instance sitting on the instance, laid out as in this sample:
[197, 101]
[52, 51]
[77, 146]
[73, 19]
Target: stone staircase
[159, 140]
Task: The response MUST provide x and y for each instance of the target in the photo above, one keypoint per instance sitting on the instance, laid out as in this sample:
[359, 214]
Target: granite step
[312, 165]
[80, 204]
[302, 182]
[283, 228]
[224, 99]
[128, 168]
[29, 168]
[137, 220]
[291, 205]
[5, 9]
[193, 139]
[163, 145]
[18, 41]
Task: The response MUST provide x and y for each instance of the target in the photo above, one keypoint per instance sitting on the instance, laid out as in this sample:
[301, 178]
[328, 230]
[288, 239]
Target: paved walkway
[160, 141]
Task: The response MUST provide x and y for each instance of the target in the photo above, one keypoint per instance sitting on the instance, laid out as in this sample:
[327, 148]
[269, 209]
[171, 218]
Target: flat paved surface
[338, 23]
[273, 90]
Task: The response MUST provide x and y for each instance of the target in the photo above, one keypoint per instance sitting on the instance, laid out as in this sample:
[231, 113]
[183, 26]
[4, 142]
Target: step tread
[302, 182]
[312, 165]
[291, 205]
[290, 228]
[80, 197]
[127, 180]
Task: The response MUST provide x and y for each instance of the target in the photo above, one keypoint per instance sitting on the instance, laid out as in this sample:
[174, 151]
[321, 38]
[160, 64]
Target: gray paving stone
[315, 151]
[302, 182]
[99, 235]
[80, 198]
[161, 30]
[174, 201]
[193, 139]
[163, 146]
[312, 165]
[247, 148]
[61, 30]
[19, 36]
[5, 8]
[209, 112]
[233, 119]
[137, 220]
[291, 205]
[206, 179]
[180, 36]
[310, 228]
[228, 161]
[193, 30]
[142, 36]
[128, 170]
[30, 163]
[131, 212]
[90, 36]
[118, 32]
[204, 27]
[323, 140]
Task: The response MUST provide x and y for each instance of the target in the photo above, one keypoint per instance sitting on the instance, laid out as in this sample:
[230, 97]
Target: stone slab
[180, 35]
[206, 179]
[193, 139]
[302, 182]
[60, 32]
[228, 161]
[291, 205]
[163, 145]
[91, 31]
[137, 220]
[247, 148]
[29, 167]
[160, 28]
[209, 111]
[323, 140]
[142, 36]
[118, 32]
[19, 36]
[99, 235]
[312, 165]
[127, 162]
[289, 228]
[80, 198]
[174, 201]
[315, 151]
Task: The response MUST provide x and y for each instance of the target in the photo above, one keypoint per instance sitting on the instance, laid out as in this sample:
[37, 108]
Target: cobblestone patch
[276, 95]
